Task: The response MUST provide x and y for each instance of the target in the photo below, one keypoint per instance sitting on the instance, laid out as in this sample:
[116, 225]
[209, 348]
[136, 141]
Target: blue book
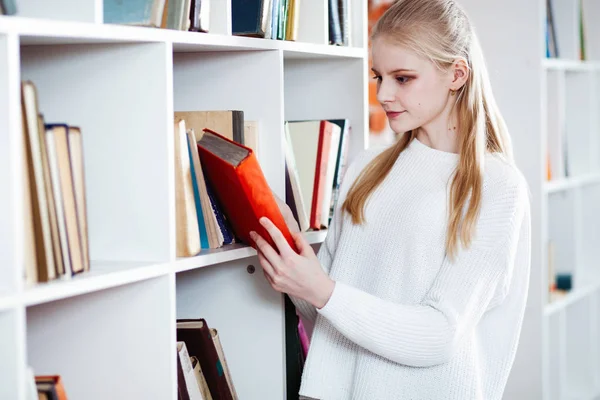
[8, 7]
[134, 12]
[201, 227]
[250, 17]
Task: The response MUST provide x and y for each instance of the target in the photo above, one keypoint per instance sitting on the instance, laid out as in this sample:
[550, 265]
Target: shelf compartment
[214, 81]
[566, 25]
[578, 122]
[133, 341]
[312, 91]
[590, 232]
[561, 232]
[237, 302]
[555, 125]
[125, 138]
[580, 374]
[591, 11]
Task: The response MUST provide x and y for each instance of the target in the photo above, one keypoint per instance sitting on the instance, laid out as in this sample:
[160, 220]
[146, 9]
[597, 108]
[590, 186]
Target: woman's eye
[377, 78]
[403, 79]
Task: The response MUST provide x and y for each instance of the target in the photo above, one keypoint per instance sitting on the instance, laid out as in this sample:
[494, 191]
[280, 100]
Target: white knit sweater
[403, 321]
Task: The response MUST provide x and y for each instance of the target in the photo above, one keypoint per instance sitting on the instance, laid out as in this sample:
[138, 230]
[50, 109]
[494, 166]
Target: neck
[441, 133]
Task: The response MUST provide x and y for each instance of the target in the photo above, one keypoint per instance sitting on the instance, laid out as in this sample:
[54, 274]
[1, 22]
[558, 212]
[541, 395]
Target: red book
[240, 187]
[320, 183]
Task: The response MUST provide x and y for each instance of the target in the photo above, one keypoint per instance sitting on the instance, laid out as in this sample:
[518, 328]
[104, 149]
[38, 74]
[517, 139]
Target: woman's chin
[399, 127]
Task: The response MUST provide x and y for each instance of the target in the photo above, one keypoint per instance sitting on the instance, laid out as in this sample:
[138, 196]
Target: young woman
[419, 289]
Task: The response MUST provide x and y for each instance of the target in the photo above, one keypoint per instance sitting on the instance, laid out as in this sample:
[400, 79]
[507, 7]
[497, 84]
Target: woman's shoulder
[502, 176]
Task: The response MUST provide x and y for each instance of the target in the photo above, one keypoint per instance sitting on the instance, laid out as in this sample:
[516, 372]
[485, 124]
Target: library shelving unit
[110, 333]
[543, 99]
[571, 118]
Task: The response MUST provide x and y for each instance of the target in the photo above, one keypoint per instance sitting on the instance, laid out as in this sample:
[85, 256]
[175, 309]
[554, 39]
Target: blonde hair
[439, 30]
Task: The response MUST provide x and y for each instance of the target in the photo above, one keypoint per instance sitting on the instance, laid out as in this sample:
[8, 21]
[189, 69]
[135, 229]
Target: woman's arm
[325, 256]
[428, 333]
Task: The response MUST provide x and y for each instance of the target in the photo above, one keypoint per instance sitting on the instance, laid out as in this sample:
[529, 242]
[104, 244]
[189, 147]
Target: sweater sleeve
[326, 252]
[428, 333]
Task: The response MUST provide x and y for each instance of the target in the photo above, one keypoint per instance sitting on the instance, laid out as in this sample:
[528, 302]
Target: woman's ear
[460, 74]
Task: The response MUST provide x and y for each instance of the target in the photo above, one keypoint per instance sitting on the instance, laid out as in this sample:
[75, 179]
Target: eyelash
[399, 79]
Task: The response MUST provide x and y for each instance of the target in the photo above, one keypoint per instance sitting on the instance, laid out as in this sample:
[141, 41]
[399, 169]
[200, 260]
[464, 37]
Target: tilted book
[240, 187]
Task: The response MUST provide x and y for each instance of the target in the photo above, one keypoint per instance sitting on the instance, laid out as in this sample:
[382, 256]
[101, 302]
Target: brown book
[57, 135]
[198, 340]
[229, 123]
[77, 168]
[34, 139]
[57, 250]
[30, 259]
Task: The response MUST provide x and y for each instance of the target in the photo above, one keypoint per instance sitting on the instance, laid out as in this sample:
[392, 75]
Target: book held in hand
[240, 187]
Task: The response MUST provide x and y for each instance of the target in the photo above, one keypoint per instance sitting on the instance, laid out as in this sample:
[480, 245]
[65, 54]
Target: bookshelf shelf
[573, 296]
[570, 65]
[102, 276]
[33, 31]
[572, 182]
[110, 274]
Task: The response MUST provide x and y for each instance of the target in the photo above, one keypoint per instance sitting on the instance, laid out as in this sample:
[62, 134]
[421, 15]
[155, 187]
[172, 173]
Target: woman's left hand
[299, 275]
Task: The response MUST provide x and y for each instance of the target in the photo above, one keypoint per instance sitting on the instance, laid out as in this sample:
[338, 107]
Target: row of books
[214, 203]
[553, 29]
[8, 7]
[201, 221]
[182, 15]
[202, 369]
[55, 214]
[316, 158]
[270, 19]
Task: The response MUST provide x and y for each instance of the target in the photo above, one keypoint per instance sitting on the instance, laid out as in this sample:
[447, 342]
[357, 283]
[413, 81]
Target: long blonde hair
[440, 31]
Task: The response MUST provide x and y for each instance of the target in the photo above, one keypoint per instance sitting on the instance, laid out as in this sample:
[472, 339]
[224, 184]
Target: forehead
[388, 56]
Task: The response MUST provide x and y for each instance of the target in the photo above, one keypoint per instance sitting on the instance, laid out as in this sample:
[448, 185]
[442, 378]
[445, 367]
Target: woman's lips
[393, 114]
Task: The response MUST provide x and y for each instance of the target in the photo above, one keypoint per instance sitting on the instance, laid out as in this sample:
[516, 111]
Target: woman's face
[411, 89]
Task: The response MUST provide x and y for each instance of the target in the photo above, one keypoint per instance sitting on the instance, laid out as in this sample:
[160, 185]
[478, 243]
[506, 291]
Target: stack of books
[55, 214]
[202, 370]
[316, 158]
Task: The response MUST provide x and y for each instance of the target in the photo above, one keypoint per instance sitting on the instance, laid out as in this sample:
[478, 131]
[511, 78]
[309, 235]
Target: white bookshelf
[110, 333]
[571, 206]
[558, 356]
